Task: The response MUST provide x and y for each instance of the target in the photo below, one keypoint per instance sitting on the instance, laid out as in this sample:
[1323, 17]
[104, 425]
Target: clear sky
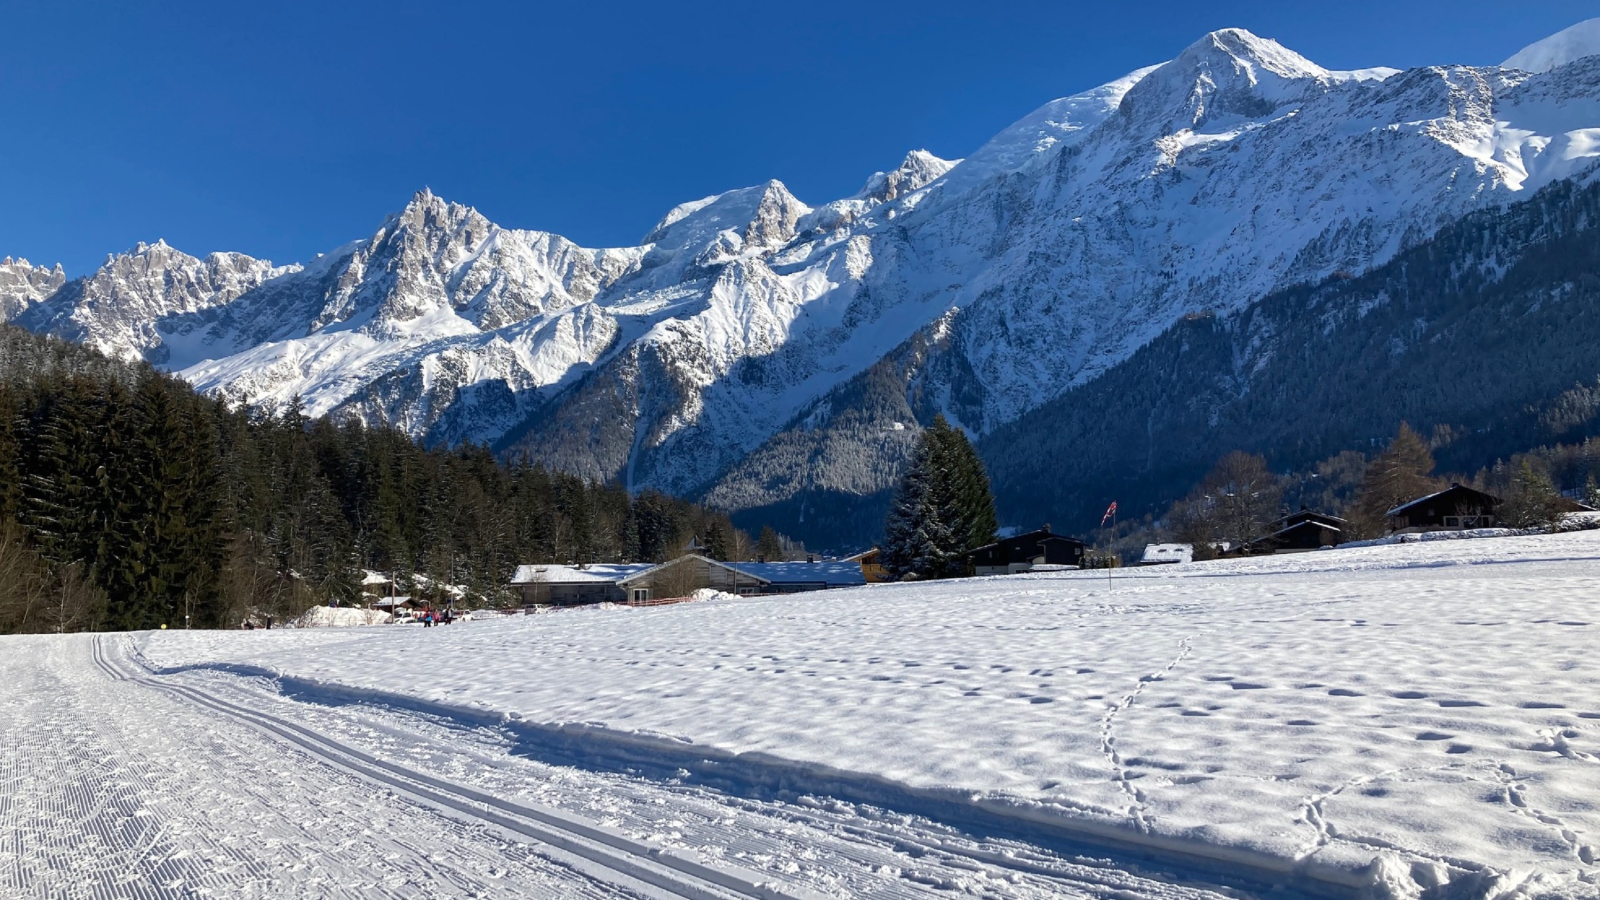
[283, 129]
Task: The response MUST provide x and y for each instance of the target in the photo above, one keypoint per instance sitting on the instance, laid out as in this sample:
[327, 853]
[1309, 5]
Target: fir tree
[1400, 473]
[769, 546]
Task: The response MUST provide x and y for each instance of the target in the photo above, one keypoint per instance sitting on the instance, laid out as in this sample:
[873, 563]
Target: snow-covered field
[1408, 721]
[1399, 716]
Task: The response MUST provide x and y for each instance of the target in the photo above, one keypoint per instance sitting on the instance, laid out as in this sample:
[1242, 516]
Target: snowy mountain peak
[1250, 53]
[1226, 75]
[22, 285]
[764, 215]
[1569, 45]
[916, 171]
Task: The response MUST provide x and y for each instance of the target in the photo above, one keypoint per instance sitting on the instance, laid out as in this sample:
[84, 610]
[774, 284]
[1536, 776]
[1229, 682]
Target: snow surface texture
[1398, 717]
[1054, 251]
[340, 617]
[1575, 43]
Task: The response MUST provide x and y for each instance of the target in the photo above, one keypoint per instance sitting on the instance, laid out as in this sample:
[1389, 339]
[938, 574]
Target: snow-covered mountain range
[694, 361]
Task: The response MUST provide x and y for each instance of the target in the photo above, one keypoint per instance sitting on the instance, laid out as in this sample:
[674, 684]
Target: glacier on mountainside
[1054, 251]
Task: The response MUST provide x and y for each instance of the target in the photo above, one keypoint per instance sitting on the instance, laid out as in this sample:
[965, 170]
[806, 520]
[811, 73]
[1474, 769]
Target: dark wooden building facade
[1303, 530]
[1454, 507]
[1025, 551]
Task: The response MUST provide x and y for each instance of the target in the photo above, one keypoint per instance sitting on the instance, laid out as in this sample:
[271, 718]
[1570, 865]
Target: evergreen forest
[129, 501]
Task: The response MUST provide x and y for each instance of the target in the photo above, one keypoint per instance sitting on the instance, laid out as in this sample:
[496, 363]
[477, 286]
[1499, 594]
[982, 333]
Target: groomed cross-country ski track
[121, 783]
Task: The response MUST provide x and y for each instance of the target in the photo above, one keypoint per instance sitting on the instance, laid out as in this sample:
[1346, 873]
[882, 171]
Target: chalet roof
[1305, 523]
[605, 573]
[1454, 488]
[1304, 514]
[832, 572]
[1168, 553]
[646, 570]
[862, 556]
[1030, 537]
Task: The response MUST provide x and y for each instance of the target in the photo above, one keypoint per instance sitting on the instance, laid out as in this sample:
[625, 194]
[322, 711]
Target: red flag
[1110, 511]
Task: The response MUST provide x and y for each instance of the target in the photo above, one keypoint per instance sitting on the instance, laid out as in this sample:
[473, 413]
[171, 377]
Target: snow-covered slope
[1054, 251]
[1582, 39]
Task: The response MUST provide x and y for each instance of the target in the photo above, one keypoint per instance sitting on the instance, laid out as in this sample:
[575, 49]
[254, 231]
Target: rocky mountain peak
[22, 285]
[919, 169]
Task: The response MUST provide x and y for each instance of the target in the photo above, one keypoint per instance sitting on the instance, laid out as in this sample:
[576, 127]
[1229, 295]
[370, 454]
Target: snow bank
[339, 617]
[1393, 715]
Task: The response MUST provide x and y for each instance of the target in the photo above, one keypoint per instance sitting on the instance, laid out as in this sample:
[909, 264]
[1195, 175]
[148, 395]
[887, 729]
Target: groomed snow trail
[116, 783]
[109, 789]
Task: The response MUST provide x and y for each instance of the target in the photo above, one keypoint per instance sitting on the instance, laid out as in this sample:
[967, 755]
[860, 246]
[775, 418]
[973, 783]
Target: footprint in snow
[1408, 695]
[1342, 692]
[1456, 704]
[1434, 736]
[1539, 704]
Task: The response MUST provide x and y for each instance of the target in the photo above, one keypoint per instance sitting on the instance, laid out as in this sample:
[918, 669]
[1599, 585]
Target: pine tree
[718, 540]
[1534, 501]
[1398, 475]
[769, 546]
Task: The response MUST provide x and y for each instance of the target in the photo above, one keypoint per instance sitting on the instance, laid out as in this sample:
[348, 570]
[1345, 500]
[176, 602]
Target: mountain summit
[1569, 45]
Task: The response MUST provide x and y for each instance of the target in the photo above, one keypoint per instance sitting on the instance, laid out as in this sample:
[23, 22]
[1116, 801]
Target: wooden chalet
[1454, 507]
[1024, 552]
[872, 568]
[1303, 530]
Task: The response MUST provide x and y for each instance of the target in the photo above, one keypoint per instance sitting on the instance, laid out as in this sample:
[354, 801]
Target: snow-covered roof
[1313, 523]
[1168, 553]
[603, 573]
[833, 572]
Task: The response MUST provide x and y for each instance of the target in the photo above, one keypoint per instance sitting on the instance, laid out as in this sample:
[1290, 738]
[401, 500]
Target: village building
[555, 585]
[1024, 552]
[1454, 507]
[1166, 554]
[1303, 530]
[872, 567]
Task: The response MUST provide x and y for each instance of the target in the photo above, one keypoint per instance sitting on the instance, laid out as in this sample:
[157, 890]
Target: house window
[746, 590]
[641, 594]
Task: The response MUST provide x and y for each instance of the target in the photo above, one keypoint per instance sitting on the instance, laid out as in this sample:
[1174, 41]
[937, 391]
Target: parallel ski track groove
[663, 870]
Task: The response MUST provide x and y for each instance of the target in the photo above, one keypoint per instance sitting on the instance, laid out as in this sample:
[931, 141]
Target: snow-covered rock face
[1052, 252]
[22, 285]
[1575, 43]
[119, 309]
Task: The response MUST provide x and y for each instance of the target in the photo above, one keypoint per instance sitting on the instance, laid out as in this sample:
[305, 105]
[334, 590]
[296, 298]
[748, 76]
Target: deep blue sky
[284, 129]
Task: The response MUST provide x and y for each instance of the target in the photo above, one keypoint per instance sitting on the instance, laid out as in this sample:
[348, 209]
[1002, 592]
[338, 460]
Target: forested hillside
[1483, 338]
[129, 501]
